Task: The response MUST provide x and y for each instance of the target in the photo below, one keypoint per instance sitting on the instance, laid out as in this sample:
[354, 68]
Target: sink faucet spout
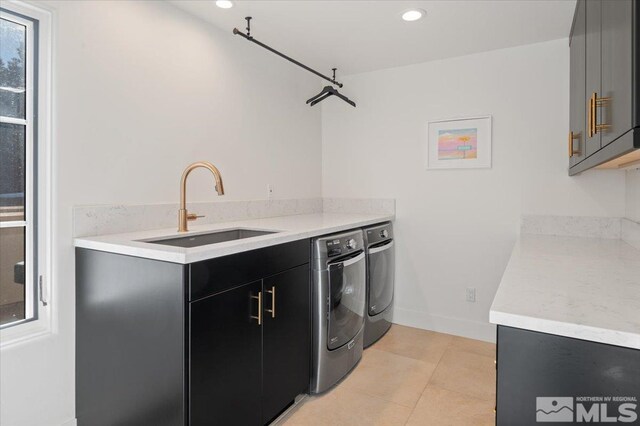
[183, 215]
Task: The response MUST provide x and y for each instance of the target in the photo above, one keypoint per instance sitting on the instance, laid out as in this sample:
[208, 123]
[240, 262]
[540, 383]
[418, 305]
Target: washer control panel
[341, 246]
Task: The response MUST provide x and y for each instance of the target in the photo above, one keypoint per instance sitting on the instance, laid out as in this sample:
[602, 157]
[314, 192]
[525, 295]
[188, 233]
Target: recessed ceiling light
[413, 14]
[224, 4]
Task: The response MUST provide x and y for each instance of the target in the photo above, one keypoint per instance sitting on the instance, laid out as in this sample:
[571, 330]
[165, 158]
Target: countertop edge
[221, 249]
[565, 329]
[543, 270]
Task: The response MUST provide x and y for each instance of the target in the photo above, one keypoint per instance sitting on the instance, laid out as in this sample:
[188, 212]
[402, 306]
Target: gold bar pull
[570, 144]
[572, 150]
[599, 102]
[592, 113]
[273, 302]
[259, 317]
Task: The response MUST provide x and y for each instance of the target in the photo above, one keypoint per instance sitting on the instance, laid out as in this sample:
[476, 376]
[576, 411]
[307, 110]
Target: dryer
[380, 262]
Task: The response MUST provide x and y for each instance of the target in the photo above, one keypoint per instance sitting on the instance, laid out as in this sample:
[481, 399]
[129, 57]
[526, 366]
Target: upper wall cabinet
[604, 118]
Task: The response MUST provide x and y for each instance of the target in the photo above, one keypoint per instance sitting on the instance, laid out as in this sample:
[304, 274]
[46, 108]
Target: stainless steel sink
[210, 238]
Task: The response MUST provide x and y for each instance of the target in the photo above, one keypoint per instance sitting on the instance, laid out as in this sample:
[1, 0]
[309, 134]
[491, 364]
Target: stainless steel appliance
[380, 255]
[339, 293]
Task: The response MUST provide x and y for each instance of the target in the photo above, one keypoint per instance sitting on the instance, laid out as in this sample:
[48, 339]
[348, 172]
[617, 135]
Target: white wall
[119, 139]
[141, 90]
[455, 229]
[633, 195]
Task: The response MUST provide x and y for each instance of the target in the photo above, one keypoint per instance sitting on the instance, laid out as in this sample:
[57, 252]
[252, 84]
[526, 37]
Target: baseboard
[442, 324]
[72, 422]
[631, 232]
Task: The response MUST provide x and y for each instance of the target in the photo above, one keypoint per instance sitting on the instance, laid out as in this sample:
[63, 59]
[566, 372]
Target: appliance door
[381, 275]
[346, 301]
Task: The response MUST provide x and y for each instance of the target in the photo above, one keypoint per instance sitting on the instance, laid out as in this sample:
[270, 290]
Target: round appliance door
[347, 290]
[381, 276]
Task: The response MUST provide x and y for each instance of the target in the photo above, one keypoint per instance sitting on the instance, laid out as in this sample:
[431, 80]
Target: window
[19, 201]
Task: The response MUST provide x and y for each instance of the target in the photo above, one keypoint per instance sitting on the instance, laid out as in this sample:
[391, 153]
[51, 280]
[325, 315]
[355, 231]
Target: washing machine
[339, 298]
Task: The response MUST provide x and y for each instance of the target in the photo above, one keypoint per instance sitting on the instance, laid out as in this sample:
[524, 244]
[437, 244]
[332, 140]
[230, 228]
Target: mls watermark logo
[554, 409]
[587, 409]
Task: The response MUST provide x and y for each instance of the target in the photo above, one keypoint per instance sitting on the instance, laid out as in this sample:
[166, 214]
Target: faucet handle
[193, 216]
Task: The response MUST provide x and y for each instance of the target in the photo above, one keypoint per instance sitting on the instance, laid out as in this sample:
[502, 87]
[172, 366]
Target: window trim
[40, 21]
[29, 224]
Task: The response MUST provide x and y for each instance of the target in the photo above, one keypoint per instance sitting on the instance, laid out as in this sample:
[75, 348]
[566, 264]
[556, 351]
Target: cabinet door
[577, 116]
[593, 61]
[225, 376]
[617, 68]
[287, 339]
[534, 365]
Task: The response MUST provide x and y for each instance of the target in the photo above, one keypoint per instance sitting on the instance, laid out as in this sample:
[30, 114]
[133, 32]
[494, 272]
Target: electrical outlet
[269, 191]
[471, 294]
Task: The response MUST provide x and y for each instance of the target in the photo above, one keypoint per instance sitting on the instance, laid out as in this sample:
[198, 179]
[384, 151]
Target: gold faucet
[183, 214]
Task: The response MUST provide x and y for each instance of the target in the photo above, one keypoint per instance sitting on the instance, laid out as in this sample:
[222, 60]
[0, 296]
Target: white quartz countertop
[290, 228]
[583, 288]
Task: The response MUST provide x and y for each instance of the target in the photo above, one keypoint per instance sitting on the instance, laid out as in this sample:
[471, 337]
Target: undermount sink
[210, 238]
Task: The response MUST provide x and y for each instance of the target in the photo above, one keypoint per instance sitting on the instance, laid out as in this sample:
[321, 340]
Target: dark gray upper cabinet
[615, 114]
[593, 67]
[578, 112]
[604, 95]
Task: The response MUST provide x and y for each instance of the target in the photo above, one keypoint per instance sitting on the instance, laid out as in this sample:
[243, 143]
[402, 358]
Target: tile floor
[410, 377]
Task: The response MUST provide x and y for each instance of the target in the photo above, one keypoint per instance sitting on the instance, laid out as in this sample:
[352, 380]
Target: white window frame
[38, 298]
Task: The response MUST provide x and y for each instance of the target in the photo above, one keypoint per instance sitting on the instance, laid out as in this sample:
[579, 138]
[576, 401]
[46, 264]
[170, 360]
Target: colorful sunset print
[459, 144]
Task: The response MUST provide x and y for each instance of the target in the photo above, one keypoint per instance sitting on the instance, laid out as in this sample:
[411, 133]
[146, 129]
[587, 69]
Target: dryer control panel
[378, 234]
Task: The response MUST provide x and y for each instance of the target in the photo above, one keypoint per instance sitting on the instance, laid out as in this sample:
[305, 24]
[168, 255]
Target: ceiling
[361, 36]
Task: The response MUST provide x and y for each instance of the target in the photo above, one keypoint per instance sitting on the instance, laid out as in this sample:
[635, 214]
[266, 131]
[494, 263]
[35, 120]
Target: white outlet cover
[471, 294]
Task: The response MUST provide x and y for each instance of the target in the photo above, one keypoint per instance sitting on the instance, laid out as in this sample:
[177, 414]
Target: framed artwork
[459, 143]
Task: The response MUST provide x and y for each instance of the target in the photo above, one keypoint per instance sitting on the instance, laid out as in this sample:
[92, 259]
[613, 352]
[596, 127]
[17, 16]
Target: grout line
[403, 356]
[462, 394]
[428, 380]
[449, 346]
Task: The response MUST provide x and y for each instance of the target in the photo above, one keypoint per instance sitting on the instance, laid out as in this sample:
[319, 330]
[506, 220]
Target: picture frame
[459, 143]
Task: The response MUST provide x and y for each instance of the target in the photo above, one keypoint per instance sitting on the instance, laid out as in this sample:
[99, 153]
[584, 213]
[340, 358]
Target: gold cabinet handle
[595, 103]
[572, 150]
[600, 102]
[259, 317]
[592, 111]
[570, 144]
[273, 302]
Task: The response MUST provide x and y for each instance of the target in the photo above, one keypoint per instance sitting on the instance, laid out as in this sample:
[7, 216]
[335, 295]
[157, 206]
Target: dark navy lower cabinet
[286, 347]
[225, 380]
[220, 342]
[130, 354]
[553, 380]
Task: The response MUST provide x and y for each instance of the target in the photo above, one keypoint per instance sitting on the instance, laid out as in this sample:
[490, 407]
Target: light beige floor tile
[348, 407]
[390, 376]
[467, 373]
[414, 343]
[441, 407]
[476, 346]
[459, 375]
